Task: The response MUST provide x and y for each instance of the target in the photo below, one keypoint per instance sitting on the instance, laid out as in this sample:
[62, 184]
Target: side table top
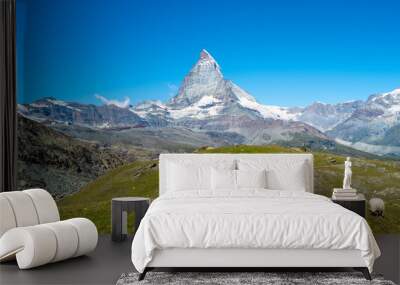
[360, 197]
[130, 199]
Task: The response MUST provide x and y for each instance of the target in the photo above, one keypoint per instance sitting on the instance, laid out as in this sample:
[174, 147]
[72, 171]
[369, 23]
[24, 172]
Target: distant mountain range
[207, 102]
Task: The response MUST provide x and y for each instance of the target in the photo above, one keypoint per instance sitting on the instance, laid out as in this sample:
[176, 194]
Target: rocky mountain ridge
[52, 110]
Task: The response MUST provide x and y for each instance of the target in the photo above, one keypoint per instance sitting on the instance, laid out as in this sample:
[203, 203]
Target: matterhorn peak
[202, 80]
[205, 55]
[206, 63]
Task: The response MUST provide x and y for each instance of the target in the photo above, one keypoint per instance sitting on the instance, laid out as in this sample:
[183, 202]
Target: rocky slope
[57, 162]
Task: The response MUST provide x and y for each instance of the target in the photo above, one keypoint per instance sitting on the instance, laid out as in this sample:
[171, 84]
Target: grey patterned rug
[269, 278]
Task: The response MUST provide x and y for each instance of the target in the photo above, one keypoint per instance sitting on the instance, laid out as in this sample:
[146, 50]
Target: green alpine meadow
[378, 178]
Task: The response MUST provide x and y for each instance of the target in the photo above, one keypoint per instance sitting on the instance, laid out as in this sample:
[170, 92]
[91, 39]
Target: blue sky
[283, 52]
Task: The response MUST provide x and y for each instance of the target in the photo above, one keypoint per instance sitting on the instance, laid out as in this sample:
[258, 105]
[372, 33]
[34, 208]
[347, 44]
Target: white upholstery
[7, 220]
[289, 172]
[223, 179]
[22, 206]
[32, 246]
[45, 205]
[184, 177]
[31, 230]
[256, 257]
[66, 236]
[251, 179]
[87, 234]
[293, 169]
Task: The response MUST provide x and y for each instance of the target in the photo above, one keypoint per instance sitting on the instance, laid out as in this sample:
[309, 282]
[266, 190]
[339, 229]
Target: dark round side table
[120, 207]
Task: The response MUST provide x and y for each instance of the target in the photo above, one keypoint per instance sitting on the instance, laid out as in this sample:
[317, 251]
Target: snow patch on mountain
[393, 93]
[64, 104]
[268, 111]
[207, 106]
[149, 104]
[150, 107]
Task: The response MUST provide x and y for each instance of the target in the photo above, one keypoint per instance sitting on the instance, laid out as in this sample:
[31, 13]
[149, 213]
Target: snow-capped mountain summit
[206, 100]
[205, 93]
[204, 79]
[390, 101]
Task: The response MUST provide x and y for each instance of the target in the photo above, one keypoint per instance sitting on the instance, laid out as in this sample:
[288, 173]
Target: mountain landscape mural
[222, 113]
[72, 148]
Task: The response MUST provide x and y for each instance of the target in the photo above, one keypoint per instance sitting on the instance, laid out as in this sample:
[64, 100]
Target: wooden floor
[110, 260]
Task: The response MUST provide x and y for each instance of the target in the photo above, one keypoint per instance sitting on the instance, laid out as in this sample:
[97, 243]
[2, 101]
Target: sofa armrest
[32, 246]
[41, 244]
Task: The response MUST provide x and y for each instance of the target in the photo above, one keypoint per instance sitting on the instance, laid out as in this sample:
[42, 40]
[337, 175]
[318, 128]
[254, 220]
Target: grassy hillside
[94, 200]
[374, 178]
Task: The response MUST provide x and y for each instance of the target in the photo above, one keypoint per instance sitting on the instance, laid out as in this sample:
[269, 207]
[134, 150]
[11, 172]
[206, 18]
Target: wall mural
[85, 151]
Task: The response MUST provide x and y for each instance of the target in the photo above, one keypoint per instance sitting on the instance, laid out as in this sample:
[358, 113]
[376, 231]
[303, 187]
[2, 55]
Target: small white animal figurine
[376, 206]
[347, 174]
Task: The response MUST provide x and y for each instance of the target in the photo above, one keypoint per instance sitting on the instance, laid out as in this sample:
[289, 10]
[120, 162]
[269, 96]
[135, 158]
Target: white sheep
[376, 206]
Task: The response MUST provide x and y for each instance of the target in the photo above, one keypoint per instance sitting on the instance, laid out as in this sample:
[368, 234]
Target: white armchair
[31, 230]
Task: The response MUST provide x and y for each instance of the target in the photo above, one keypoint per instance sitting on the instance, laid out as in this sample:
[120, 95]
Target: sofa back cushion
[26, 208]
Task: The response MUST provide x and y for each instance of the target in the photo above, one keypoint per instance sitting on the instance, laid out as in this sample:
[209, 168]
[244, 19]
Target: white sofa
[31, 231]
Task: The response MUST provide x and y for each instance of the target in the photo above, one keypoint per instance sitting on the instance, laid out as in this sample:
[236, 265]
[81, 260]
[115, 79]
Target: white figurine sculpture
[347, 174]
